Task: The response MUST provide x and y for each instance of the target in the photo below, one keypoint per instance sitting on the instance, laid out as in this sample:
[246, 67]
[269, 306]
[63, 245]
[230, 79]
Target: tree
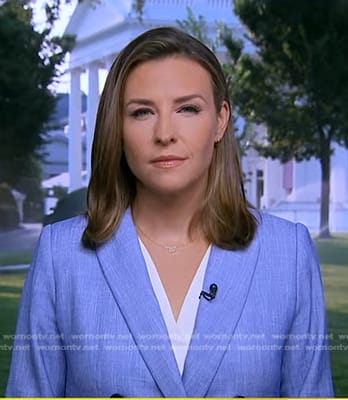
[138, 8]
[197, 26]
[29, 63]
[297, 81]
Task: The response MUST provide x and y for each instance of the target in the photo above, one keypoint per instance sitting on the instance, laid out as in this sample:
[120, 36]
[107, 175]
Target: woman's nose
[164, 130]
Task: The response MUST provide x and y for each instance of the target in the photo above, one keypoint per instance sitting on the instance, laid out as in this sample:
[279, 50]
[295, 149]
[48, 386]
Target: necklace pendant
[171, 249]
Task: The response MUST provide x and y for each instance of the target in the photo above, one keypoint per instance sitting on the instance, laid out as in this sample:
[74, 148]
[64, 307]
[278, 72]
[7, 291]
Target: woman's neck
[165, 218]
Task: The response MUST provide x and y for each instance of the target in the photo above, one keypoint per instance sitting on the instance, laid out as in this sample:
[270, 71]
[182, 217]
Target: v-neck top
[180, 330]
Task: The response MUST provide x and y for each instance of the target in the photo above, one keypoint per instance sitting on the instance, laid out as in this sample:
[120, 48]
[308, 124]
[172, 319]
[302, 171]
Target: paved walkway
[21, 239]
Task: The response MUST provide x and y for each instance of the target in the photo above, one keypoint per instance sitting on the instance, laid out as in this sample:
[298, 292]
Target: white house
[103, 28]
[292, 190]
[54, 151]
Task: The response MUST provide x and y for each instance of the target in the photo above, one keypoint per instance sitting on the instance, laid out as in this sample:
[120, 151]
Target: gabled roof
[92, 17]
[103, 27]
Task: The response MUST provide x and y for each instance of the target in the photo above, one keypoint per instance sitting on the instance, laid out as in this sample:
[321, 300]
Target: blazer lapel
[125, 271]
[232, 272]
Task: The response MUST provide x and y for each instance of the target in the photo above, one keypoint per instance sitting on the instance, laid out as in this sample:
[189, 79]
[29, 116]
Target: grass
[19, 257]
[333, 255]
[10, 290]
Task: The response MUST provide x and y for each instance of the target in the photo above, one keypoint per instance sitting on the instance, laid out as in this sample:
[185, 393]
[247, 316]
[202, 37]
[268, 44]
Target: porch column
[92, 105]
[74, 131]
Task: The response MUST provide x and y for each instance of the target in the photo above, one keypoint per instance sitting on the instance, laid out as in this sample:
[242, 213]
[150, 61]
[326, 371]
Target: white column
[75, 148]
[92, 105]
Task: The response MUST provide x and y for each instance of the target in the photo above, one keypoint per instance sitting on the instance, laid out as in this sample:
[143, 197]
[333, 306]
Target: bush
[69, 206]
[9, 217]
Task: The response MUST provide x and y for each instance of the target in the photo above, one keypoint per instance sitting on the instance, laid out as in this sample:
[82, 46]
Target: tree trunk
[325, 163]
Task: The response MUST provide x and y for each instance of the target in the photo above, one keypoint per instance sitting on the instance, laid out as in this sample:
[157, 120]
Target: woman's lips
[166, 162]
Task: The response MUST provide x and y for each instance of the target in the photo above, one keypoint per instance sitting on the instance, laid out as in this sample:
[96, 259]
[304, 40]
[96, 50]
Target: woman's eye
[190, 109]
[141, 113]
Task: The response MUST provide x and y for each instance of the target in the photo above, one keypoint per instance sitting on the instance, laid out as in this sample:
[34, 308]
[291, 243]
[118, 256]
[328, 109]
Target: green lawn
[19, 257]
[10, 290]
[334, 258]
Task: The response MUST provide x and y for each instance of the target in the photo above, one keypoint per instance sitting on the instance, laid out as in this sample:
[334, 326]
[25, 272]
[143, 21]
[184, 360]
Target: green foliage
[9, 217]
[197, 26]
[138, 7]
[297, 82]
[29, 62]
[29, 181]
[6, 197]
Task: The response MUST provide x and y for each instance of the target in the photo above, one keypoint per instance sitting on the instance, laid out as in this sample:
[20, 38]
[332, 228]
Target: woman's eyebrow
[189, 97]
[145, 102]
[178, 100]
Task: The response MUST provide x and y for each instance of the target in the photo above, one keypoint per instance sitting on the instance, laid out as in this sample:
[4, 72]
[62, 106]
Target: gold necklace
[170, 248]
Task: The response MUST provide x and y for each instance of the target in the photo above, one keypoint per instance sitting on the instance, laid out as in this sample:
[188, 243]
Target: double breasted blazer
[90, 325]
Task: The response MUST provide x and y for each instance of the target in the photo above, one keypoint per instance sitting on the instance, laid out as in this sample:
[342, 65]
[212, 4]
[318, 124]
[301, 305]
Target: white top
[180, 331]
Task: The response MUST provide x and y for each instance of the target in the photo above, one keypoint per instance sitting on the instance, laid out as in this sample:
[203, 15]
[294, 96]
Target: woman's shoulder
[272, 227]
[266, 219]
[70, 229]
[283, 242]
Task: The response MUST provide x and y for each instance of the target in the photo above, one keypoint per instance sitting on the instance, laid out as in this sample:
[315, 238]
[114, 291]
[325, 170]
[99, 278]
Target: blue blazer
[90, 324]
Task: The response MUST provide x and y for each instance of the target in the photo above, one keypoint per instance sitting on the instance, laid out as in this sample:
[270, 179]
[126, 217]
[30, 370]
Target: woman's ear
[223, 120]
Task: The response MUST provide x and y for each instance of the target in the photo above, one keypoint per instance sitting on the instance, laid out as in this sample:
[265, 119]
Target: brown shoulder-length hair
[224, 215]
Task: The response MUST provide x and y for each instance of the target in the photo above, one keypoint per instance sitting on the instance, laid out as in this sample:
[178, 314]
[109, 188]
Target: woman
[171, 286]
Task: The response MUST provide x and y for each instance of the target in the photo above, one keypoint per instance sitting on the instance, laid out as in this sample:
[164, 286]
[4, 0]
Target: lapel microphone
[212, 292]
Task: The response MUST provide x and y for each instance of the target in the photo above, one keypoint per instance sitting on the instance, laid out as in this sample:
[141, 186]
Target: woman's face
[170, 125]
